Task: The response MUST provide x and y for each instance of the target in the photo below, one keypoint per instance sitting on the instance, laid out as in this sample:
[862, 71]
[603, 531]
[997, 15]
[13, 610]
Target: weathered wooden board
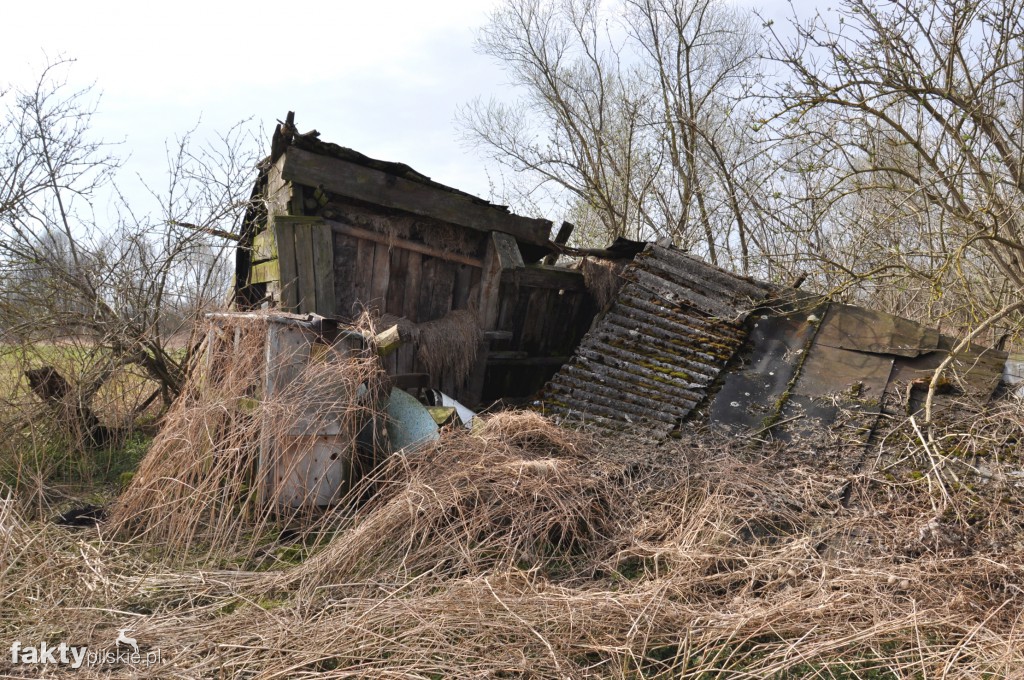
[263, 246]
[300, 274]
[362, 273]
[279, 191]
[265, 272]
[284, 235]
[441, 290]
[381, 276]
[428, 279]
[395, 301]
[502, 254]
[374, 186]
[462, 287]
[323, 269]
[345, 255]
[414, 275]
[304, 268]
[532, 336]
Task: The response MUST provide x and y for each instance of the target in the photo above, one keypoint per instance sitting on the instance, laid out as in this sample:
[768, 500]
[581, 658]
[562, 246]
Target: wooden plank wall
[339, 268]
[547, 314]
[297, 263]
[387, 278]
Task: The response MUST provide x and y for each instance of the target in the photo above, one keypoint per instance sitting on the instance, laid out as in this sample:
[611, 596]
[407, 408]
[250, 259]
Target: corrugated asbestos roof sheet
[674, 325]
[800, 366]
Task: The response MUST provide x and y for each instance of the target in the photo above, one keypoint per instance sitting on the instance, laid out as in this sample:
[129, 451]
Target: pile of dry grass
[203, 483]
[515, 494]
[448, 346]
[524, 550]
[603, 278]
[445, 347]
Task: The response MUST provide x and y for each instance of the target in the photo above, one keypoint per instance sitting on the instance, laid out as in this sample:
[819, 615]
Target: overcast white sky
[383, 78]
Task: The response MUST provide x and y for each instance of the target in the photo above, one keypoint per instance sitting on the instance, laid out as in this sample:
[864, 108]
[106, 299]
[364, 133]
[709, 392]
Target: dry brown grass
[524, 550]
[448, 346]
[45, 454]
[201, 484]
[603, 278]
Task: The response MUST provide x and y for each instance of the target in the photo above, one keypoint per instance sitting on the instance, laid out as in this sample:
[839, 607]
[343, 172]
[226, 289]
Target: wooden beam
[546, 277]
[380, 188]
[367, 235]
[502, 255]
[564, 232]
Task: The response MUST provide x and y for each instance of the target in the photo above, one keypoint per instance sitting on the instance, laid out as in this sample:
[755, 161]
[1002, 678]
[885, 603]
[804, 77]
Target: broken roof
[306, 160]
[683, 337]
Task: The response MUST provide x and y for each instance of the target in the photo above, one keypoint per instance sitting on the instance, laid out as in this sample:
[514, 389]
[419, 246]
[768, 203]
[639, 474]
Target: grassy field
[40, 460]
[524, 550]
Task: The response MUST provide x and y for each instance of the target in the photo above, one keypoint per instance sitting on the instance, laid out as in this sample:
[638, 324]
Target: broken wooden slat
[263, 246]
[561, 238]
[388, 341]
[265, 272]
[374, 186]
[278, 191]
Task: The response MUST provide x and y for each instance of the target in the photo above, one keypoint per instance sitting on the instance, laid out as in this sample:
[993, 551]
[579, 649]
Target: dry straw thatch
[521, 549]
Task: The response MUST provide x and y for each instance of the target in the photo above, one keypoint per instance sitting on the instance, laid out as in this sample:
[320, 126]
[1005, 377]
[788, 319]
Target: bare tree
[925, 138]
[632, 114]
[124, 287]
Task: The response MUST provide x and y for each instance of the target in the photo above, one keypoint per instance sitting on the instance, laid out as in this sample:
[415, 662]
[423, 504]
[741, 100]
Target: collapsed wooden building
[666, 340]
[335, 233]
